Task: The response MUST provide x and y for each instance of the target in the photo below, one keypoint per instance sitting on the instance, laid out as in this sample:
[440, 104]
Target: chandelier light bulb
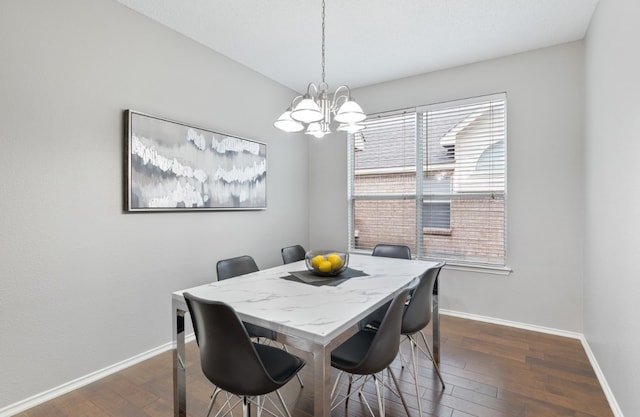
[314, 129]
[350, 112]
[307, 111]
[350, 127]
[287, 124]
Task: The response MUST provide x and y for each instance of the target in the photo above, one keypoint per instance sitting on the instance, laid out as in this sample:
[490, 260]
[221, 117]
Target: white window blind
[453, 206]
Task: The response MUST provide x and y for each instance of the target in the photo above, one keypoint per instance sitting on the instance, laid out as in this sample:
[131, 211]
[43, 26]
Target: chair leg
[335, 384]
[334, 402]
[346, 401]
[258, 401]
[286, 410]
[380, 397]
[366, 403]
[435, 365]
[401, 355]
[404, 403]
[357, 386]
[246, 407]
[378, 379]
[213, 398]
[414, 361]
[230, 406]
[259, 405]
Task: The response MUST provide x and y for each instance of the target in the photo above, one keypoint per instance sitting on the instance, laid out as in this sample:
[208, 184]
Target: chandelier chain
[323, 6]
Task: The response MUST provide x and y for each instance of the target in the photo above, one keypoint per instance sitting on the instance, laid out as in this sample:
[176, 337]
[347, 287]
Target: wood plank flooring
[490, 371]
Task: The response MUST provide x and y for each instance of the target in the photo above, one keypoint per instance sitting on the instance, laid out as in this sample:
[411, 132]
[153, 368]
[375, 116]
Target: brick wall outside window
[477, 225]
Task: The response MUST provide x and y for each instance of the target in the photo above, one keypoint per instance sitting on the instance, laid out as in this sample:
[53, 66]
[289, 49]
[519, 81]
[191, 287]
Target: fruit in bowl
[326, 263]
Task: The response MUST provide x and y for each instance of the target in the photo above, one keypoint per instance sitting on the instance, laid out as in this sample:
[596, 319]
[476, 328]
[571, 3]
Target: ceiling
[368, 41]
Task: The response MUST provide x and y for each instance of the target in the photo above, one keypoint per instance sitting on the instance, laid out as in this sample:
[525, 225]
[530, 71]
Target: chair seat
[348, 355]
[258, 331]
[280, 365]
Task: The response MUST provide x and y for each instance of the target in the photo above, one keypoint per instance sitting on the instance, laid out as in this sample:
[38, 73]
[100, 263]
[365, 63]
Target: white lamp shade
[287, 124]
[307, 111]
[315, 129]
[350, 112]
[351, 127]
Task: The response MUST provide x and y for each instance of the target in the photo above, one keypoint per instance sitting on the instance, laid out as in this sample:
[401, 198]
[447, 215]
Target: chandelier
[314, 110]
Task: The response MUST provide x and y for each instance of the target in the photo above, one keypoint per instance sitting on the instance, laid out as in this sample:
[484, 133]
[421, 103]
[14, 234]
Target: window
[436, 205]
[436, 216]
[433, 178]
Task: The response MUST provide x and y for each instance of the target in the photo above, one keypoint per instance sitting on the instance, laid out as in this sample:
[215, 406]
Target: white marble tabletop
[313, 313]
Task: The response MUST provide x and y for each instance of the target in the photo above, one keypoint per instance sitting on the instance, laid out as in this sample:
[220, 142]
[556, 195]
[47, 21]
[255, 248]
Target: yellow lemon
[336, 261]
[315, 261]
[325, 266]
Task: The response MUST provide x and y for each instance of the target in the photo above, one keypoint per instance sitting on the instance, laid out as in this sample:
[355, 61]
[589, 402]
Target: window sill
[452, 265]
[484, 269]
[434, 231]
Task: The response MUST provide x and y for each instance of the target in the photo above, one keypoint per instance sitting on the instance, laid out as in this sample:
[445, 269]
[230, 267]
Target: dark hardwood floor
[490, 371]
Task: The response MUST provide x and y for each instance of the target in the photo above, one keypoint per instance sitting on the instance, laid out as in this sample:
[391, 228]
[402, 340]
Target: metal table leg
[436, 324]
[179, 386]
[322, 381]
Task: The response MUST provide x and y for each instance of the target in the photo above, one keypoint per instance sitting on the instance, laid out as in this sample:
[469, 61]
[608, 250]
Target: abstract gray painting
[172, 166]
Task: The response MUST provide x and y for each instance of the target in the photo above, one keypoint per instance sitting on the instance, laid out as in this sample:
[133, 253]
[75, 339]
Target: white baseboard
[518, 325]
[52, 393]
[617, 412]
[615, 408]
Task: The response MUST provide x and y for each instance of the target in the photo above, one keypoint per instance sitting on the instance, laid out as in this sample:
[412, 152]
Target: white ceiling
[368, 41]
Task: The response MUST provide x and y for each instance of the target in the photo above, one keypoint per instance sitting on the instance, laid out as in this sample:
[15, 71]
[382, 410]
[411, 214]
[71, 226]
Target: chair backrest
[233, 267]
[292, 254]
[417, 313]
[392, 251]
[228, 357]
[386, 342]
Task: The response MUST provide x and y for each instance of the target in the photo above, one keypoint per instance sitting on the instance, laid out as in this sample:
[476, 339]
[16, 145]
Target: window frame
[420, 111]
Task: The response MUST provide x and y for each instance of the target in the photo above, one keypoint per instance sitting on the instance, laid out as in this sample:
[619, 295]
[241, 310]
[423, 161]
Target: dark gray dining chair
[392, 251]
[417, 315]
[292, 254]
[233, 267]
[231, 361]
[371, 352]
[242, 265]
[388, 251]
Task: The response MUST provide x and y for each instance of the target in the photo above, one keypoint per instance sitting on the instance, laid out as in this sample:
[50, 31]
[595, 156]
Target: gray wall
[545, 220]
[82, 285]
[612, 288]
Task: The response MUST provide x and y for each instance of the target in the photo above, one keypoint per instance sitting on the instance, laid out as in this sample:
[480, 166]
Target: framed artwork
[171, 166]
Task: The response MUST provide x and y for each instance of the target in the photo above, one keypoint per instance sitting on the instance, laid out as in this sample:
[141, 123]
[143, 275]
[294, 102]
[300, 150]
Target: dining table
[311, 313]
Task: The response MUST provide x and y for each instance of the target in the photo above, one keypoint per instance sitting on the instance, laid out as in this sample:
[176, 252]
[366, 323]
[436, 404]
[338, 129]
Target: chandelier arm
[293, 102]
[335, 104]
[345, 87]
[315, 87]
